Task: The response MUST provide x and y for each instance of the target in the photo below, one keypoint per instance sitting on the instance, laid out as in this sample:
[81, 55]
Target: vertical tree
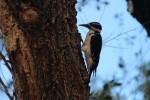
[43, 46]
[138, 8]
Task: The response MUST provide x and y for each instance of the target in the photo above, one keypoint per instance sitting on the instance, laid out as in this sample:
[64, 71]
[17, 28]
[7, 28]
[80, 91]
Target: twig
[5, 89]
[5, 61]
[117, 47]
[127, 32]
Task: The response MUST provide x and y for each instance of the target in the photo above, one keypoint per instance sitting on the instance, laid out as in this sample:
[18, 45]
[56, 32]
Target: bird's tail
[93, 69]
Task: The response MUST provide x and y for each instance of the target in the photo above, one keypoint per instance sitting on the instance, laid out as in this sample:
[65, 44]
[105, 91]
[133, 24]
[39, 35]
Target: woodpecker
[92, 46]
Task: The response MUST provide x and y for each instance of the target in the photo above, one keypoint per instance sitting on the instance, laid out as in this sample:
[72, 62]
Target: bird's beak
[85, 25]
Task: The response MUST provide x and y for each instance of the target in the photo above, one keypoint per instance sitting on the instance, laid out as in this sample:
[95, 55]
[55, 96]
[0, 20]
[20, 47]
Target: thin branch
[127, 32]
[120, 35]
[5, 89]
[5, 79]
[102, 13]
[117, 47]
[5, 61]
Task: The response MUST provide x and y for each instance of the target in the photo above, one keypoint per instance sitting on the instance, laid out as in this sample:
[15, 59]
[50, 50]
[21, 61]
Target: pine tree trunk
[43, 46]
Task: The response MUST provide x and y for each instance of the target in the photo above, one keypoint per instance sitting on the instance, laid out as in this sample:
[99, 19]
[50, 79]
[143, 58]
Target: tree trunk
[43, 46]
[141, 11]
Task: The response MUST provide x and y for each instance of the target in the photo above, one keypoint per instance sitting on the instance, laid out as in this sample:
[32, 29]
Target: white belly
[86, 48]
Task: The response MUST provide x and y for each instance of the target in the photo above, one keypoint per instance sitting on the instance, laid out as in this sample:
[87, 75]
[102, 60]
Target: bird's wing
[96, 45]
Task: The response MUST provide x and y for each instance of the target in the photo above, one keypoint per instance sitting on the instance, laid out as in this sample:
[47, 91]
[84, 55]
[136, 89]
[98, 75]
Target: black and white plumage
[92, 46]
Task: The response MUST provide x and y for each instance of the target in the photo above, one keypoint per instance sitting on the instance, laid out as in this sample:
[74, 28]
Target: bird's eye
[94, 25]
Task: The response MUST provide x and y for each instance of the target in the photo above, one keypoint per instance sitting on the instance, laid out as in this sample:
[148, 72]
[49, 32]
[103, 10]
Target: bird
[92, 46]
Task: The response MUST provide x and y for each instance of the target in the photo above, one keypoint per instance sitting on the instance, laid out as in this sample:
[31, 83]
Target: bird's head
[95, 26]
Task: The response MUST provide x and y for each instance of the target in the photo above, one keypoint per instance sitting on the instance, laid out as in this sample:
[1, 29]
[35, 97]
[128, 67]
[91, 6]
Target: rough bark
[141, 11]
[43, 46]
